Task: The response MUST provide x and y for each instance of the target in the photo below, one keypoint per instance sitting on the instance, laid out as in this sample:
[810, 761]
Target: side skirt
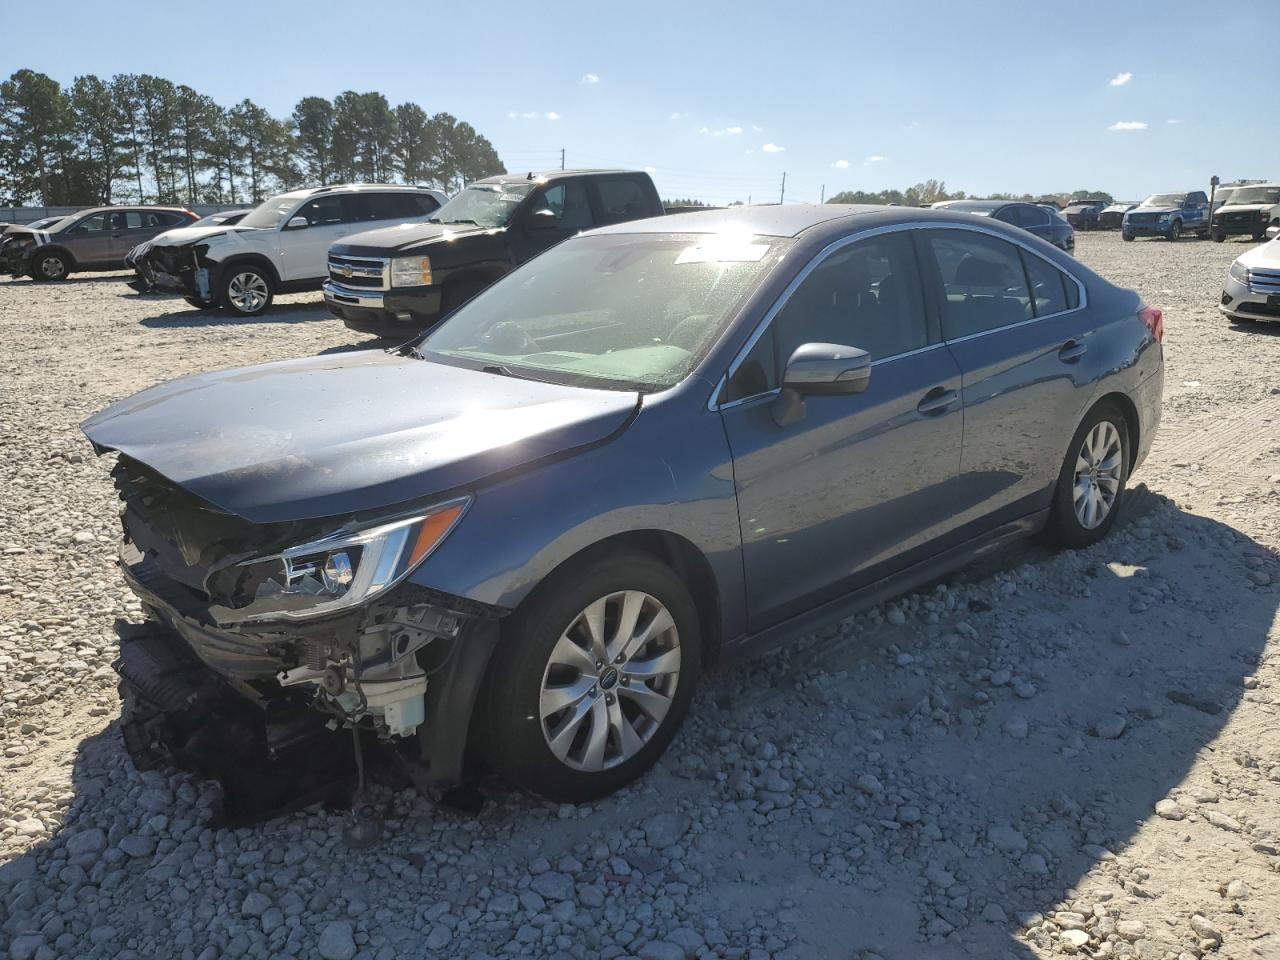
[877, 591]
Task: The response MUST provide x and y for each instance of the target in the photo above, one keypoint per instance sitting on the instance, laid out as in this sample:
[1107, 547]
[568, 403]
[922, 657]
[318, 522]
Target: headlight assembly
[411, 272]
[1239, 272]
[335, 573]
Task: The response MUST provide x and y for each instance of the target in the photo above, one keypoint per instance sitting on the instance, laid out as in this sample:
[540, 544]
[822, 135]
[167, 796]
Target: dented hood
[327, 436]
[181, 236]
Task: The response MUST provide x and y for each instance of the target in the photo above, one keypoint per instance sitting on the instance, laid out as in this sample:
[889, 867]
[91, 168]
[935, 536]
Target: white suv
[279, 247]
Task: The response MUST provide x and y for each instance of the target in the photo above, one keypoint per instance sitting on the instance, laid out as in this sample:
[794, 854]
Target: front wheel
[246, 290]
[1091, 482]
[1175, 231]
[1219, 237]
[1127, 237]
[50, 266]
[592, 681]
[200, 304]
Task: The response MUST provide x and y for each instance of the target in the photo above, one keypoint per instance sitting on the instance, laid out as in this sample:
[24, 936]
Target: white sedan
[1252, 290]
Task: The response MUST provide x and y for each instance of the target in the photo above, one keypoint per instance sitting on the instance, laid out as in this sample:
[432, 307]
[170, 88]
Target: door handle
[937, 401]
[1072, 351]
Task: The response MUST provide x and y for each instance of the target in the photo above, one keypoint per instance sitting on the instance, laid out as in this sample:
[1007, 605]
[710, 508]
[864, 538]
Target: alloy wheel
[247, 292]
[1099, 463]
[610, 681]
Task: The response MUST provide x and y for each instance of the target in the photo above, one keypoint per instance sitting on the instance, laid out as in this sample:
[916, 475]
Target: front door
[551, 214]
[88, 239]
[1011, 321]
[845, 495]
[304, 251]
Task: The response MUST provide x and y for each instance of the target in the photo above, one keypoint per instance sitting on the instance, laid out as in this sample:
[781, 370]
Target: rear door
[622, 198]
[862, 482]
[1014, 323]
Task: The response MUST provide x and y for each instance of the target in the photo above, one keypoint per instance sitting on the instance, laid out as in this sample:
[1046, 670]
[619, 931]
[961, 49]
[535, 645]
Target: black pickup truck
[398, 281]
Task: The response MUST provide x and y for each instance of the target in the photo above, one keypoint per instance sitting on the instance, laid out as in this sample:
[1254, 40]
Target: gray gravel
[1053, 754]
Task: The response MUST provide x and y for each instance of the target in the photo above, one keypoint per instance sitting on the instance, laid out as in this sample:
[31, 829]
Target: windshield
[270, 213]
[1164, 200]
[622, 311]
[1224, 195]
[484, 204]
[49, 222]
[213, 219]
[1255, 195]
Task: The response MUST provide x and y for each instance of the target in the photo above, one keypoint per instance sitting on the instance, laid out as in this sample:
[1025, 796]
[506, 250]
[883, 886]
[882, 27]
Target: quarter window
[1049, 285]
[983, 282]
[866, 295]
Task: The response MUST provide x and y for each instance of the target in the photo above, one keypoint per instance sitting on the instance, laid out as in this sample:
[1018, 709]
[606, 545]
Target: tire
[51, 266]
[200, 304]
[1219, 237]
[1072, 526]
[1175, 232]
[1126, 237]
[543, 671]
[1202, 234]
[245, 290]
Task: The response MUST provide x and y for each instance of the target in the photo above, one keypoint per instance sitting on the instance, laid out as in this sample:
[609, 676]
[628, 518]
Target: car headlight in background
[1164, 217]
[1239, 272]
[336, 573]
[411, 272]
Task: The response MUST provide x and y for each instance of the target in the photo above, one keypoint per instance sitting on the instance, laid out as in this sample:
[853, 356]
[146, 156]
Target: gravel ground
[1072, 753]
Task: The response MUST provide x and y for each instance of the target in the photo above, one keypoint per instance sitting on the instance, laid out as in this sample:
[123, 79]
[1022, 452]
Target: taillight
[1153, 317]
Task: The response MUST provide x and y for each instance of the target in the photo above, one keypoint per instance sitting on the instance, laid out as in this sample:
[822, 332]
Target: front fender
[669, 471]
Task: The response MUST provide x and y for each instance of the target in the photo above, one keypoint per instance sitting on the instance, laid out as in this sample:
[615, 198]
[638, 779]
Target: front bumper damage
[269, 708]
[184, 269]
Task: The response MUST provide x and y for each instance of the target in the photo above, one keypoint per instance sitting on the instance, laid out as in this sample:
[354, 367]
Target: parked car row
[521, 538]
[1037, 219]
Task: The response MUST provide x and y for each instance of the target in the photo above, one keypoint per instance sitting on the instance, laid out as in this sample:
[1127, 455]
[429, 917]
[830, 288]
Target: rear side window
[621, 198]
[866, 295]
[983, 282]
[395, 206]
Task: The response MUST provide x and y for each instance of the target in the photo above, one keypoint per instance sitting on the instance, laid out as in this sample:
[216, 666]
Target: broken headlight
[333, 574]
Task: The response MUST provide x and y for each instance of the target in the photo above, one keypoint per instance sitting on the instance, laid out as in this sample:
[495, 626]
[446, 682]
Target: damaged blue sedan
[517, 543]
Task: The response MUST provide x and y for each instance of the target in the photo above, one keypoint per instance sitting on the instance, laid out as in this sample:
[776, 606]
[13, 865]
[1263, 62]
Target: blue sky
[719, 99]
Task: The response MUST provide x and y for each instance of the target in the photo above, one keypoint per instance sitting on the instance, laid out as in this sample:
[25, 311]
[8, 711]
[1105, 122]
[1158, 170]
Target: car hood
[1155, 210]
[184, 235]
[406, 235]
[335, 435]
[1244, 207]
[1264, 255]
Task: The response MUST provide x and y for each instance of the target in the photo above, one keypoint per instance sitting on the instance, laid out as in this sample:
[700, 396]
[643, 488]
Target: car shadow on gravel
[190, 316]
[1261, 328]
[892, 787]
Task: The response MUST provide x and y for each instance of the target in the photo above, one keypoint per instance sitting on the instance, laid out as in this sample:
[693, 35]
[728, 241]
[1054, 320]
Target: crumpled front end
[16, 248]
[213, 689]
[182, 268]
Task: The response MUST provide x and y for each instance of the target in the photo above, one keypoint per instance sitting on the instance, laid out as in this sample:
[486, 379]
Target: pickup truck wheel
[50, 266]
[246, 290]
[592, 681]
[1219, 237]
[1127, 237]
[1091, 483]
[1175, 231]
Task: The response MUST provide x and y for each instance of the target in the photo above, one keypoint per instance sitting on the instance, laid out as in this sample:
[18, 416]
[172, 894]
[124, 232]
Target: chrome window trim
[835, 245]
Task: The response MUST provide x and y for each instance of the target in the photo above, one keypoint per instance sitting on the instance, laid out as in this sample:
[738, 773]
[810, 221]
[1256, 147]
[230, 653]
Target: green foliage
[142, 138]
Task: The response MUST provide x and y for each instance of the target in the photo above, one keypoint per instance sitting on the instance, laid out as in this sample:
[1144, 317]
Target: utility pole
[783, 194]
[822, 197]
[562, 158]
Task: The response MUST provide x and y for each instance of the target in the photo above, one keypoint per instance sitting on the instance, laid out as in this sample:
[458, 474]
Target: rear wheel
[1091, 482]
[1219, 237]
[1175, 231]
[246, 290]
[50, 266]
[1126, 237]
[592, 681]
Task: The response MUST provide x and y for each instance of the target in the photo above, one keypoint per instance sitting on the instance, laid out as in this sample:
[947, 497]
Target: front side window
[866, 295]
[323, 211]
[94, 224]
[565, 205]
[631, 311]
[983, 282]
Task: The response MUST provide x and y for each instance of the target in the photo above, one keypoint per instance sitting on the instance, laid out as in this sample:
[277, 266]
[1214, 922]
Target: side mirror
[820, 369]
[297, 223]
[542, 219]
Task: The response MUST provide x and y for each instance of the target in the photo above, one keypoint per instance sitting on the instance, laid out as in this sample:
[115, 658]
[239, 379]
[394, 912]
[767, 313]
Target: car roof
[789, 220]
[536, 176]
[979, 204]
[129, 206]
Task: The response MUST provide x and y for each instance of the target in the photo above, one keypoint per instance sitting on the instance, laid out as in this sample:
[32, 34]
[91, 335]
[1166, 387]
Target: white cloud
[1173, 121]
[841, 164]
[1120, 79]
[511, 115]
[530, 115]
[723, 131]
[650, 169]
[876, 158]
[552, 115]
[772, 148]
[749, 150]
[757, 129]
[675, 116]
[911, 126]
[1128, 125]
[590, 78]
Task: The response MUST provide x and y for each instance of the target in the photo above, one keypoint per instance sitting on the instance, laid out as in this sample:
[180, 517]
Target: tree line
[933, 191]
[143, 139]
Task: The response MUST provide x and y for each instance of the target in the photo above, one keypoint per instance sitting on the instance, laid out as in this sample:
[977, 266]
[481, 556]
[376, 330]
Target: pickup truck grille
[1144, 218]
[1240, 216]
[1265, 281]
[366, 272]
